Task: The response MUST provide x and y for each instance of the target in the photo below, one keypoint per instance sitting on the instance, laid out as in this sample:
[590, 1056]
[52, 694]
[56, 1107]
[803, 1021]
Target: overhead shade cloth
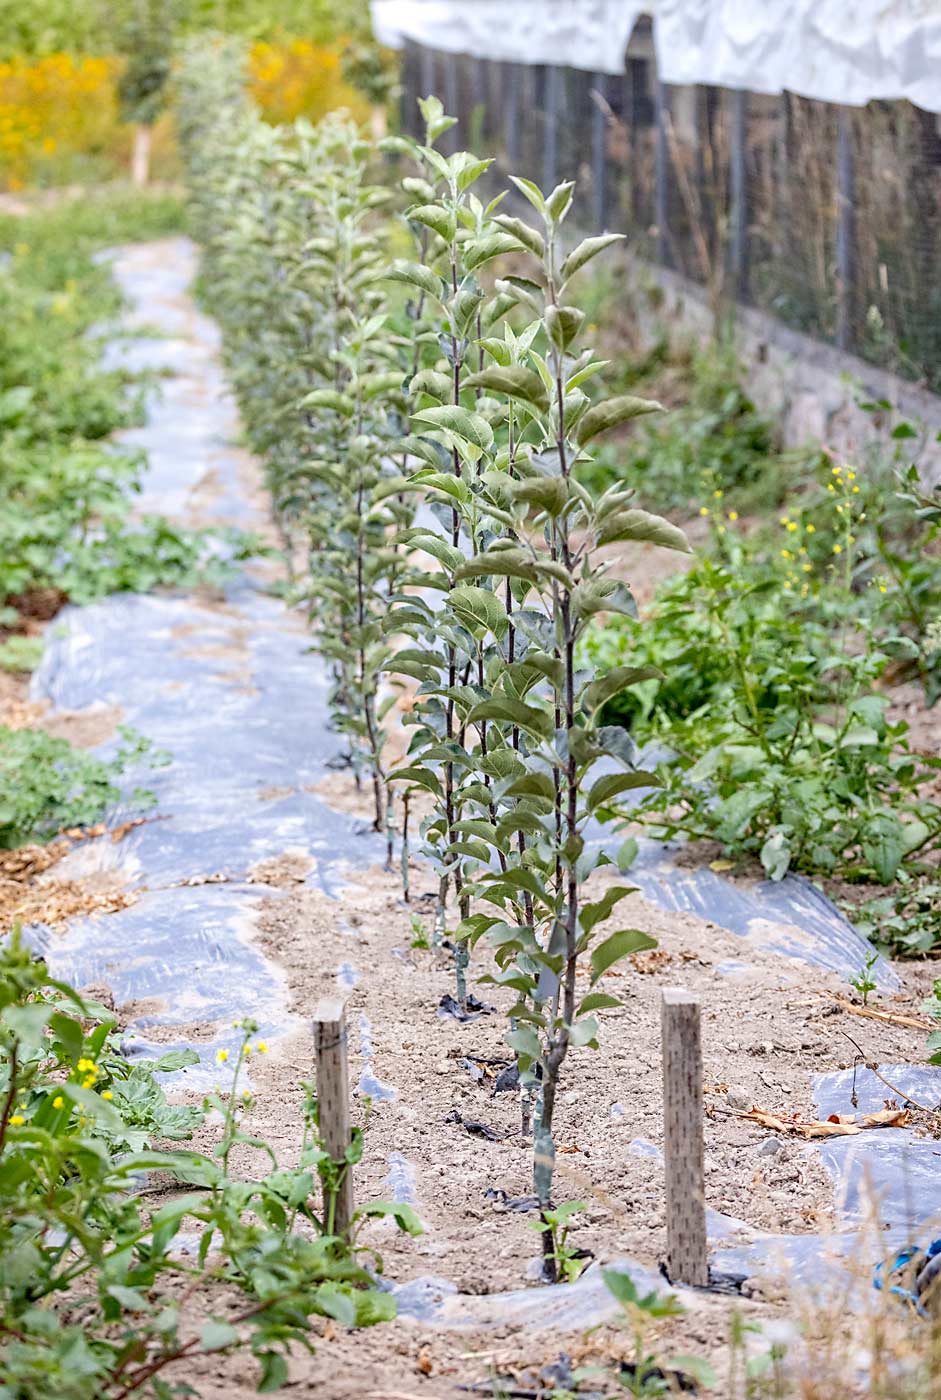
[588, 34]
[845, 51]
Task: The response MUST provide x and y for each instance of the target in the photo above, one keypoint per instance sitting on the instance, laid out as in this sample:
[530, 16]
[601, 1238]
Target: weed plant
[95, 1291]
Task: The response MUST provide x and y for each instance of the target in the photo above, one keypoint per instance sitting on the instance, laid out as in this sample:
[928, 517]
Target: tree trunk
[140, 158]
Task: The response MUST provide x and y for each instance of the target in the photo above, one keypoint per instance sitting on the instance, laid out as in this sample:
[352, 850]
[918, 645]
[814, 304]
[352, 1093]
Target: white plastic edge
[841, 51]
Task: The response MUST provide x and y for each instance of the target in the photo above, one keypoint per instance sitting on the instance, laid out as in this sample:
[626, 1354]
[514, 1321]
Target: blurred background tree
[147, 31]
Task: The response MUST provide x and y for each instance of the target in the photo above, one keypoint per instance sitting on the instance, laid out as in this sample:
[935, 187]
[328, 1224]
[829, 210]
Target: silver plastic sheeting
[230, 691]
[896, 1171]
[587, 34]
[790, 916]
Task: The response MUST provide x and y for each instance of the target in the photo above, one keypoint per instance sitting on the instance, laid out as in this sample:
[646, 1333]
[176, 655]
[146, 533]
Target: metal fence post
[426, 72]
[599, 170]
[511, 112]
[662, 174]
[845, 230]
[452, 98]
[550, 144]
[738, 181]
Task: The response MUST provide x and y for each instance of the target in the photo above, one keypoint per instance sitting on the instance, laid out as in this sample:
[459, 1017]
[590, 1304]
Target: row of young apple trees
[421, 419]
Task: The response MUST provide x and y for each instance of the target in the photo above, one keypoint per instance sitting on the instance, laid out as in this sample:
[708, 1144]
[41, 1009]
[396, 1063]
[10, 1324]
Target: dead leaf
[837, 1125]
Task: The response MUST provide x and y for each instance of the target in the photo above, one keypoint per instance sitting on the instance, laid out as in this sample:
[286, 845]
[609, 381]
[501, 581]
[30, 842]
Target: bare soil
[765, 1032]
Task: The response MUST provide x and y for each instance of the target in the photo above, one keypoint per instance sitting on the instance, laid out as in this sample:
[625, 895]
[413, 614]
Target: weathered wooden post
[687, 1256]
[333, 1099]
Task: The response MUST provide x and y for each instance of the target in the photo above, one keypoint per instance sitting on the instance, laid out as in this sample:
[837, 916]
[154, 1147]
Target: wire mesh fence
[828, 217]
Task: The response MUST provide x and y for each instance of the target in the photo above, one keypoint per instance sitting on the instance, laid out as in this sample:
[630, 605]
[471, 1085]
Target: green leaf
[516, 381]
[641, 525]
[471, 171]
[435, 216]
[611, 413]
[531, 192]
[619, 945]
[529, 237]
[598, 1001]
[524, 1041]
[884, 846]
[492, 245]
[217, 1335]
[584, 1033]
[499, 563]
[478, 609]
[404, 1216]
[416, 276]
[563, 324]
[586, 250]
[611, 784]
[274, 1372]
[591, 914]
[174, 1060]
[776, 855]
[472, 427]
[513, 712]
[617, 679]
[559, 201]
[548, 493]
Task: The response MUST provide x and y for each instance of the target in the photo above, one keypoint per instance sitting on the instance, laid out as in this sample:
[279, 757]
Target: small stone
[739, 1099]
[733, 1047]
[770, 1147]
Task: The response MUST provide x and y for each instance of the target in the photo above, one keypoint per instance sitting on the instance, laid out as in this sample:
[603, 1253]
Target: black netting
[827, 217]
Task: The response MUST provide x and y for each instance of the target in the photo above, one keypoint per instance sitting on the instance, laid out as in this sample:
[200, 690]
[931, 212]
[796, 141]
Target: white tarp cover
[588, 34]
[847, 51]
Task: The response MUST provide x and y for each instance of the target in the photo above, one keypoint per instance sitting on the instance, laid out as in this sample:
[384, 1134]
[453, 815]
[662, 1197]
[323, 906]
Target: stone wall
[811, 389]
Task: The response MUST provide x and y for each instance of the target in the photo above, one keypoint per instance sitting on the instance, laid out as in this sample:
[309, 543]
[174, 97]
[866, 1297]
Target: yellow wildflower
[733, 514]
[221, 1056]
[107, 1094]
[58, 1101]
[261, 1047]
[17, 1120]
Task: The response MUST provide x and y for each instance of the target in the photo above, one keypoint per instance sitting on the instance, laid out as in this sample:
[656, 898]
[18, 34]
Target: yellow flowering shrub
[300, 78]
[59, 118]
[52, 107]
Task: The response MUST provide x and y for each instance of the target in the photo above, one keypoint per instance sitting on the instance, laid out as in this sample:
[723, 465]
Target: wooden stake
[333, 1098]
[687, 1256]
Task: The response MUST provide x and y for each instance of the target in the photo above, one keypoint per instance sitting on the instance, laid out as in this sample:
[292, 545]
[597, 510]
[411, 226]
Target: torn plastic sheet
[790, 917]
[897, 1171]
[186, 955]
